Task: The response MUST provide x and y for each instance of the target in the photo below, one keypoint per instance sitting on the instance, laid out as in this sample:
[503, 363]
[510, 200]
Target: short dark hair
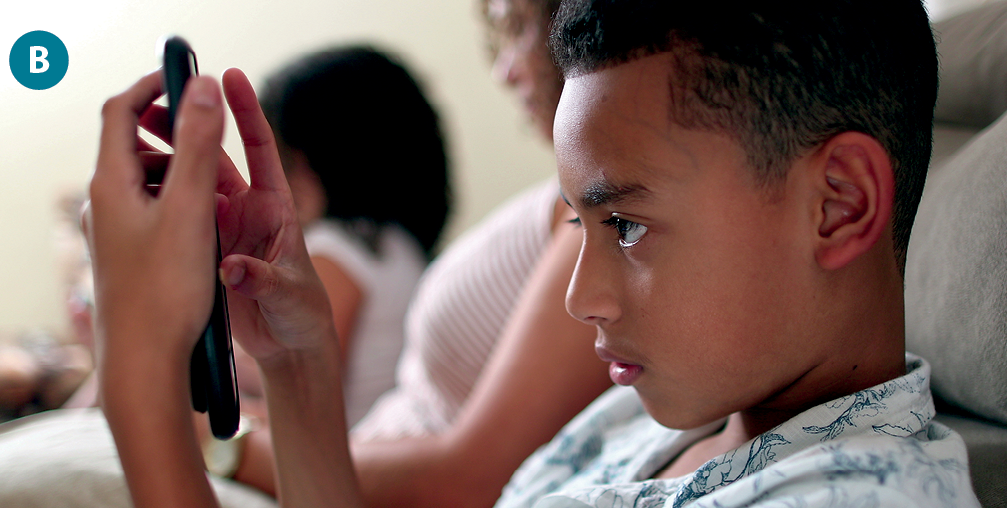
[370, 135]
[779, 76]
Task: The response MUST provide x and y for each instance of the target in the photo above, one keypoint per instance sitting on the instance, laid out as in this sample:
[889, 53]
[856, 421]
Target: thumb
[254, 278]
[198, 133]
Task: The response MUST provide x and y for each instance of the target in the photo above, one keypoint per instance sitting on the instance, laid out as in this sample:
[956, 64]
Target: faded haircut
[779, 76]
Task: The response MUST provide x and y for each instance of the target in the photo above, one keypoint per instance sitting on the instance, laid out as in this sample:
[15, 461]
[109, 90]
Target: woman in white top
[371, 195]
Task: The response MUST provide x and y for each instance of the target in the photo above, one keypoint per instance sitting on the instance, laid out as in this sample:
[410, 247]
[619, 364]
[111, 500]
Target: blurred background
[48, 139]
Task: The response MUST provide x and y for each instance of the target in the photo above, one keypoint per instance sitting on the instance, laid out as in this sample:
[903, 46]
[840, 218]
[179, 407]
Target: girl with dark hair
[364, 156]
[358, 120]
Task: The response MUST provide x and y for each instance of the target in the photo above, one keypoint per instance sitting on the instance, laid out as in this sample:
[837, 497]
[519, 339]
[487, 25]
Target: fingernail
[235, 277]
[204, 93]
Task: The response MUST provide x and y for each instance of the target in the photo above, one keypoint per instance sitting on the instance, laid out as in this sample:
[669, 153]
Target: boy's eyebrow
[604, 193]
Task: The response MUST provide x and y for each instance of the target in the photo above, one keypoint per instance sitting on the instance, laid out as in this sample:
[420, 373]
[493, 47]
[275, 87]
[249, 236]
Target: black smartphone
[211, 369]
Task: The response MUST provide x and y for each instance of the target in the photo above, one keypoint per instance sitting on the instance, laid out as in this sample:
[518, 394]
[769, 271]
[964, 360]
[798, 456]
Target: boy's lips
[620, 370]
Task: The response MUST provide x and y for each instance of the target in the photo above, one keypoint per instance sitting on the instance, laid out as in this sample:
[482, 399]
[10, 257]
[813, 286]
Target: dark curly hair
[370, 135]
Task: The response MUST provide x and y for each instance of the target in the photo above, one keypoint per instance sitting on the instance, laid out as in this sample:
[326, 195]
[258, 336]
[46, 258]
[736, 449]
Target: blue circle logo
[39, 60]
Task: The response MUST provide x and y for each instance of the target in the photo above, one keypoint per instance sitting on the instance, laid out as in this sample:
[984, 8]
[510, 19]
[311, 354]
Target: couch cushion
[956, 277]
[67, 458]
[987, 447]
[973, 54]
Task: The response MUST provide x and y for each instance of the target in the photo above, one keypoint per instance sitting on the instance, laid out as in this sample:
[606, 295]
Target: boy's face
[695, 277]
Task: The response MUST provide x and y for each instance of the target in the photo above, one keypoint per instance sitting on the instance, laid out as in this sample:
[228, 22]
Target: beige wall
[942, 9]
[48, 139]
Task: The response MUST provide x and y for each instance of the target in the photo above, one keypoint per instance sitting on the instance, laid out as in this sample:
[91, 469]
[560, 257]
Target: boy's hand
[153, 257]
[154, 265]
[280, 302]
[277, 302]
[154, 260]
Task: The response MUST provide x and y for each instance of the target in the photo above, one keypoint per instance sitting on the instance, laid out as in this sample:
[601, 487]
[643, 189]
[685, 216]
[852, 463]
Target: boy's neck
[870, 351]
[744, 426]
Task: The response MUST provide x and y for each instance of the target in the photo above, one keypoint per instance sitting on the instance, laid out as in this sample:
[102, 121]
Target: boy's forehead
[637, 91]
[613, 132]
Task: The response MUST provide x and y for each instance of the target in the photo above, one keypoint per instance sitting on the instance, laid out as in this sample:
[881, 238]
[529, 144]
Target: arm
[345, 297]
[543, 372]
[256, 466]
[283, 317]
[140, 266]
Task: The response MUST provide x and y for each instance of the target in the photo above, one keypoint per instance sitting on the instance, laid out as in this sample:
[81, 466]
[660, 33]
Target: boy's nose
[591, 297]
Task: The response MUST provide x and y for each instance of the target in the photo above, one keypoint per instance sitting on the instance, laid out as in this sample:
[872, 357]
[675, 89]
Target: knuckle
[270, 285]
[200, 128]
[257, 140]
[111, 106]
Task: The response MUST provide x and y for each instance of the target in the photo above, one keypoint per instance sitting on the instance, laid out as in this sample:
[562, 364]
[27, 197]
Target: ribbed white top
[457, 314]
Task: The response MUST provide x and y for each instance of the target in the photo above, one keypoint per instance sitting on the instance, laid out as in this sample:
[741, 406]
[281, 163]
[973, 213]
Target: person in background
[365, 159]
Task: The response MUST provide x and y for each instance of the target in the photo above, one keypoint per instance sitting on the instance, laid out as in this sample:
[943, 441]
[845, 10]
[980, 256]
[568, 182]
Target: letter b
[46, 63]
[38, 54]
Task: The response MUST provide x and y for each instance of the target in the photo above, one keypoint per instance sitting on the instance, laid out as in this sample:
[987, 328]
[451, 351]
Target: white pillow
[956, 277]
[67, 458]
[973, 56]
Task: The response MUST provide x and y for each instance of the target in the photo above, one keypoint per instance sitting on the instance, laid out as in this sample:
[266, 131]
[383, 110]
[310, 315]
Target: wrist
[131, 340]
[140, 378]
[142, 395]
[320, 349]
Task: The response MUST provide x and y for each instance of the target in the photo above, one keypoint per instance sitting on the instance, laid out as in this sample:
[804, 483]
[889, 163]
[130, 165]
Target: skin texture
[725, 299]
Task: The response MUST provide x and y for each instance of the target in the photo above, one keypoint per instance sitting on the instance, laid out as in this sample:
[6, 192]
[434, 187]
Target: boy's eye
[629, 232]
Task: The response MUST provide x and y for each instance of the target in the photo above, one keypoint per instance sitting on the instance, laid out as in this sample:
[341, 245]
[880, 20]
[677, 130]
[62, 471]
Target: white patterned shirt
[874, 448]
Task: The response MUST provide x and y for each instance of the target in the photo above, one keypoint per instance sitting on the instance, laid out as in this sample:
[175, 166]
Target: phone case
[211, 369]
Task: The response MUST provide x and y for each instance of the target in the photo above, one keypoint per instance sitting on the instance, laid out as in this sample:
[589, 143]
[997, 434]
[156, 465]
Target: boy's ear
[855, 187]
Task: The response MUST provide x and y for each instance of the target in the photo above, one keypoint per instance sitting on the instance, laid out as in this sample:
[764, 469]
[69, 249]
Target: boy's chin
[682, 417]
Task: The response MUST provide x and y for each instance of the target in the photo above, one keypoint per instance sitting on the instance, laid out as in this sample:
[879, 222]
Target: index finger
[264, 168]
[120, 116]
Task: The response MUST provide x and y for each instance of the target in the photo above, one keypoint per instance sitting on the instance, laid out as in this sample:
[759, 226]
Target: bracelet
[223, 457]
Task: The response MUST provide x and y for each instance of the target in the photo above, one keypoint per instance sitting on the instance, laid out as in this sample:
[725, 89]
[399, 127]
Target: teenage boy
[746, 175]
